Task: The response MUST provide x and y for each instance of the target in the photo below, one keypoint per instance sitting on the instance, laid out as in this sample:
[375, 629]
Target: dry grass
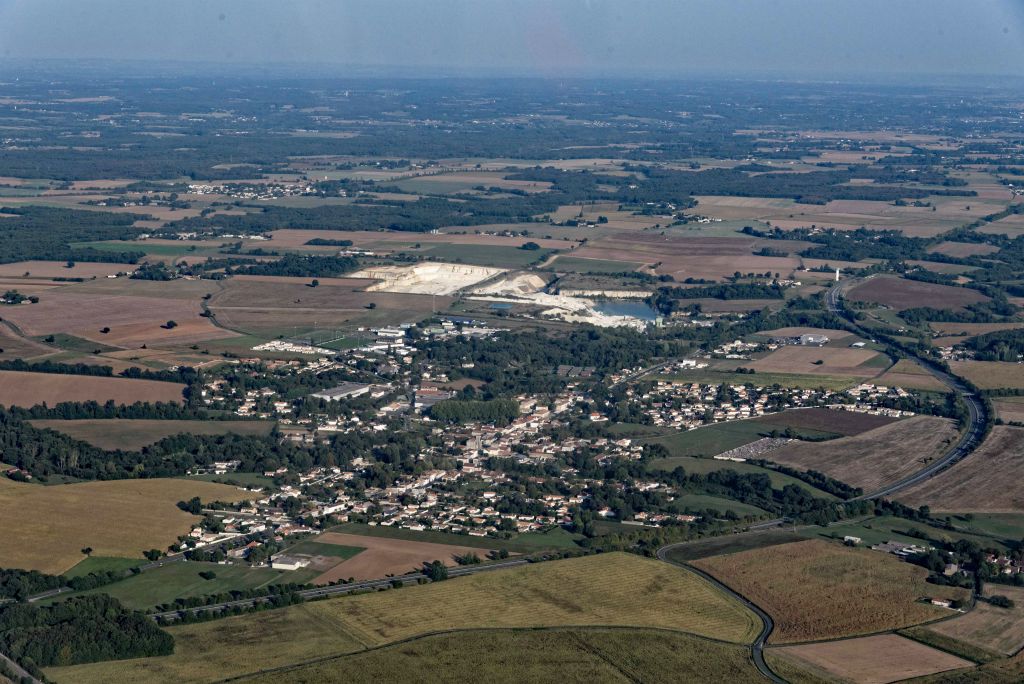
[59, 269]
[900, 294]
[385, 556]
[280, 305]
[909, 375]
[985, 481]
[132, 320]
[990, 374]
[844, 423]
[609, 589]
[797, 331]
[873, 660]
[30, 389]
[963, 249]
[822, 590]
[1000, 630]
[132, 435]
[1010, 408]
[45, 527]
[836, 361]
[875, 458]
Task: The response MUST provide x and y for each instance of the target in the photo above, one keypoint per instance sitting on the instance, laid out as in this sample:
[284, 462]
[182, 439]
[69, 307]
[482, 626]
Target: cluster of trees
[300, 266]
[80, 630]
[47, 233]
[500, 412]
[20, 584]
[324, 242]
[669, 299]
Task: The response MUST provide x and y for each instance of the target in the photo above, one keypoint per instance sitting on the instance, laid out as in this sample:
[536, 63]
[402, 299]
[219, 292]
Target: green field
[237, 479]
[530, 542]
[732, 543]
[179, 580]
[131, 434]
[696, 503]
[717, 438]
[312, 548]
[708, 465]
[709, 376]
[75, 344]
[155, 249]
[549, 655]
[103, 564]
[571, 263]
[486, 255]
[878, 529]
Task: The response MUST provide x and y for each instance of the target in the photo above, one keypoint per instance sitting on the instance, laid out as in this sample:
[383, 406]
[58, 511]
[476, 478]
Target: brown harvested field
[133, 434]
[797, 331]
[999, 630]
[872, 660]
[45, 527]
[874, 458]
[133, 321]
[957, 333]
[273, 305]
[826, 420]
[963, 249]
[908, 375]
[837, 361]
[385, 556]
[59, 269]
[991, 374]
[19, 388]
[1010, 408]
[900, 294]
[294, 239]
[14, 346]
[823, 590]
[984, 482]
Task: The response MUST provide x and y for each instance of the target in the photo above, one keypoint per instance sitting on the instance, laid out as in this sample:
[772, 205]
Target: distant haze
[803, 38]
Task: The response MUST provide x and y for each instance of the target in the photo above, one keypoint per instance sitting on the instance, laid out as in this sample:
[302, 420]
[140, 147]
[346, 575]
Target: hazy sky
[824, 38]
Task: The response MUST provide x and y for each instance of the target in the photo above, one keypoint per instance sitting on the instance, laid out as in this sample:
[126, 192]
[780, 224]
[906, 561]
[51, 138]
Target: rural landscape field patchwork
[403, 373]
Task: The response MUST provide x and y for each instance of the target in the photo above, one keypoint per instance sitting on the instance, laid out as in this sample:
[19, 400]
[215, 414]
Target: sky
[658, 38]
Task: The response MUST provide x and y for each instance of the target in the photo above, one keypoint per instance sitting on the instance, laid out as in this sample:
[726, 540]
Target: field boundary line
[463, 630]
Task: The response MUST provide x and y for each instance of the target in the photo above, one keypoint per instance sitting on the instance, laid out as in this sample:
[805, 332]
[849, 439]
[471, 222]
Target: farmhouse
[283, 562]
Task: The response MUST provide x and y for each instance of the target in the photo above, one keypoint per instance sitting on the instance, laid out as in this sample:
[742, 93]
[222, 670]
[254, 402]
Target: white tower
[837, 275]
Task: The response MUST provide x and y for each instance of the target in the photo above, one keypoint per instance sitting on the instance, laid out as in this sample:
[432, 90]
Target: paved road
[18, 670]
[767, 624]
[635, 375]
[969, 440]
[340, 589]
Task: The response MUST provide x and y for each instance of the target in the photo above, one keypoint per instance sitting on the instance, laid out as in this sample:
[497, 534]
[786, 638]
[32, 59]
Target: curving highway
[767, 624]
[971, 437]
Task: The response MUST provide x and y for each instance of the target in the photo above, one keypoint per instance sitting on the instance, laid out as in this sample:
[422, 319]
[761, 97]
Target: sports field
[133, 434]
[822, 590]
[46, 527]
[608, 589]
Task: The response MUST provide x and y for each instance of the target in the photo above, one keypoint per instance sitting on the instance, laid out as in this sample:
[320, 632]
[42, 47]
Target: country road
[767, 624]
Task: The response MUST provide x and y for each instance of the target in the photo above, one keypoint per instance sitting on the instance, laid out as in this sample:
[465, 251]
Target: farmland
[1010, 408]
[829, 361]
[991, 374]
[874, 458]
[900, 294]
[135, 434]
[18, 388]
[820, 590]
[595, 590]
[1000, 630]
[874, 659]
[980, 483]
[577, 655]
[383, 556]
[909, 375]
[115, 518]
